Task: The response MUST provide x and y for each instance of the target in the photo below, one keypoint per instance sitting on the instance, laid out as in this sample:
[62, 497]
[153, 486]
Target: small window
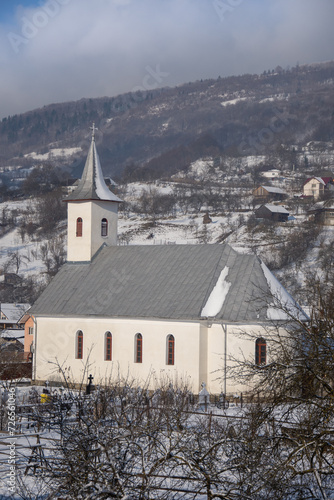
[260, 352]
[79, 346]
[139, 348]
[170, 349]
[79, 227]
[31, 330]
[108, 346]
[104, 227]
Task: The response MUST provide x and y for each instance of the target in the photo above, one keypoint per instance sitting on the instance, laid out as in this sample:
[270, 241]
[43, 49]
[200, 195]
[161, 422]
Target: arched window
[79, 226]
[108, 346]
[138, 348]
[260, 352]
[104, 227]
[170, 349]
[79, 345]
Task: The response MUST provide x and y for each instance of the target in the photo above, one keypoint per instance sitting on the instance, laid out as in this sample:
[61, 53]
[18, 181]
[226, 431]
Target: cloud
[67, 49]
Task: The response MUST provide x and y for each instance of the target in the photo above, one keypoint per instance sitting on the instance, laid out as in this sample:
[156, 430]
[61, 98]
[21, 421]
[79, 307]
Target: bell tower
[92, 211]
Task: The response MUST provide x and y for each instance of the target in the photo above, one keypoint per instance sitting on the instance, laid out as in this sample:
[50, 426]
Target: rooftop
[92, 185]
[188, 282]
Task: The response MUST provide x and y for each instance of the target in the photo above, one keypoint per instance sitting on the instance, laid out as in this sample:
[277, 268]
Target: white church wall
[199, 351]
[203, 359]
[56, 345]
[240, 344]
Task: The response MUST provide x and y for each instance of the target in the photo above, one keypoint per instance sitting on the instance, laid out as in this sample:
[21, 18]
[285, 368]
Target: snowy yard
[125, 443]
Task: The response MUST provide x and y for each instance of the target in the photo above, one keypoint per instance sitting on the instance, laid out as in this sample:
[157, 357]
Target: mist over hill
[158, 132]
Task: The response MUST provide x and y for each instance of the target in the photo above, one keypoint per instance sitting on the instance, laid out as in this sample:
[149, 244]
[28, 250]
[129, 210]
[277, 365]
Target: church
[149, 313]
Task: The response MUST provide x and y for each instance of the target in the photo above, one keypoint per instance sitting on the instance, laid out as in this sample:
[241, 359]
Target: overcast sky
[61, 50]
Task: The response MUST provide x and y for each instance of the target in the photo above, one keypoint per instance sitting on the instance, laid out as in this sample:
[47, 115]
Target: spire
[93, 128]
[92, 185]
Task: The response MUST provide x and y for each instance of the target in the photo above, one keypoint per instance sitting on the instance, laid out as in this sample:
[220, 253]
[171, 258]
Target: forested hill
[165, 129]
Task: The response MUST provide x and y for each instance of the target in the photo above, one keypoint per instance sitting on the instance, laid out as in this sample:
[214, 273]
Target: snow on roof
[276, 209]
[13, 334]
[317, 206]
[282, 306]
[329, 204]
[14, 312]
[272, 189]
[272, 171]
[322, 205]
[321, 180]
[217, 297]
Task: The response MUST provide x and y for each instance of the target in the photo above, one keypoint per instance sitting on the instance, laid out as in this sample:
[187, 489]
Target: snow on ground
[56, 152]
[200, 168]
[231, 102]
[136, 189]
[22, 444]
[188, 229]
[277, 97]
[253, 161]
[310, 264]
[27, 251]
[155, 110]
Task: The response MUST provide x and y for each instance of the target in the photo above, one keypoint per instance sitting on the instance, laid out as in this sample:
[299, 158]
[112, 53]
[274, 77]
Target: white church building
[148, 313]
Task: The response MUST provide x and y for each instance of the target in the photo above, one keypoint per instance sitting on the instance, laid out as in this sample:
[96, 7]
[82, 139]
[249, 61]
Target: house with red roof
[316, 186]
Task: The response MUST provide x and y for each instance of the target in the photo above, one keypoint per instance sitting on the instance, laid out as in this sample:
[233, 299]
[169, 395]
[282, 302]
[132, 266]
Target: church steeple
[92, 185]
[92, 211]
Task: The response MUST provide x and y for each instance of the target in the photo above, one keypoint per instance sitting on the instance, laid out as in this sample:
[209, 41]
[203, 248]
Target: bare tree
[296, 390]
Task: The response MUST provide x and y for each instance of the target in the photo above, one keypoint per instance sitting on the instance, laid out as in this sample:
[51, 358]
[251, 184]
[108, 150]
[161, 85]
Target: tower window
[79, 346]
[104, 227]
[79, 227]
[108, 346]
[260, 352]
[170, 349]
[139, 348]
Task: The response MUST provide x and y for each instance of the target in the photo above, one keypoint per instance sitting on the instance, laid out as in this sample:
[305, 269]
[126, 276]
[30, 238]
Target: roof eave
[92, 199]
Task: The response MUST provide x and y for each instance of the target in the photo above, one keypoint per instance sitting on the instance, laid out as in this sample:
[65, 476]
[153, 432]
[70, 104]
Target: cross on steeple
[93, 128]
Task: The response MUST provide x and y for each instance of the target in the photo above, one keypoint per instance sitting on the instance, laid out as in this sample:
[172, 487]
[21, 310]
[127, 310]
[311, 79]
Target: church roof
[92, 185]
[180, 282]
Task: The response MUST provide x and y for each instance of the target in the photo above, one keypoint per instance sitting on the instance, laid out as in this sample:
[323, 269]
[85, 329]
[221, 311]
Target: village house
[28, 322]
[272, 174]
[269, 193]
[275, 213]
[149, 313]
[14, 361]
[323, 212]
[317, 186]
[10, 315]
